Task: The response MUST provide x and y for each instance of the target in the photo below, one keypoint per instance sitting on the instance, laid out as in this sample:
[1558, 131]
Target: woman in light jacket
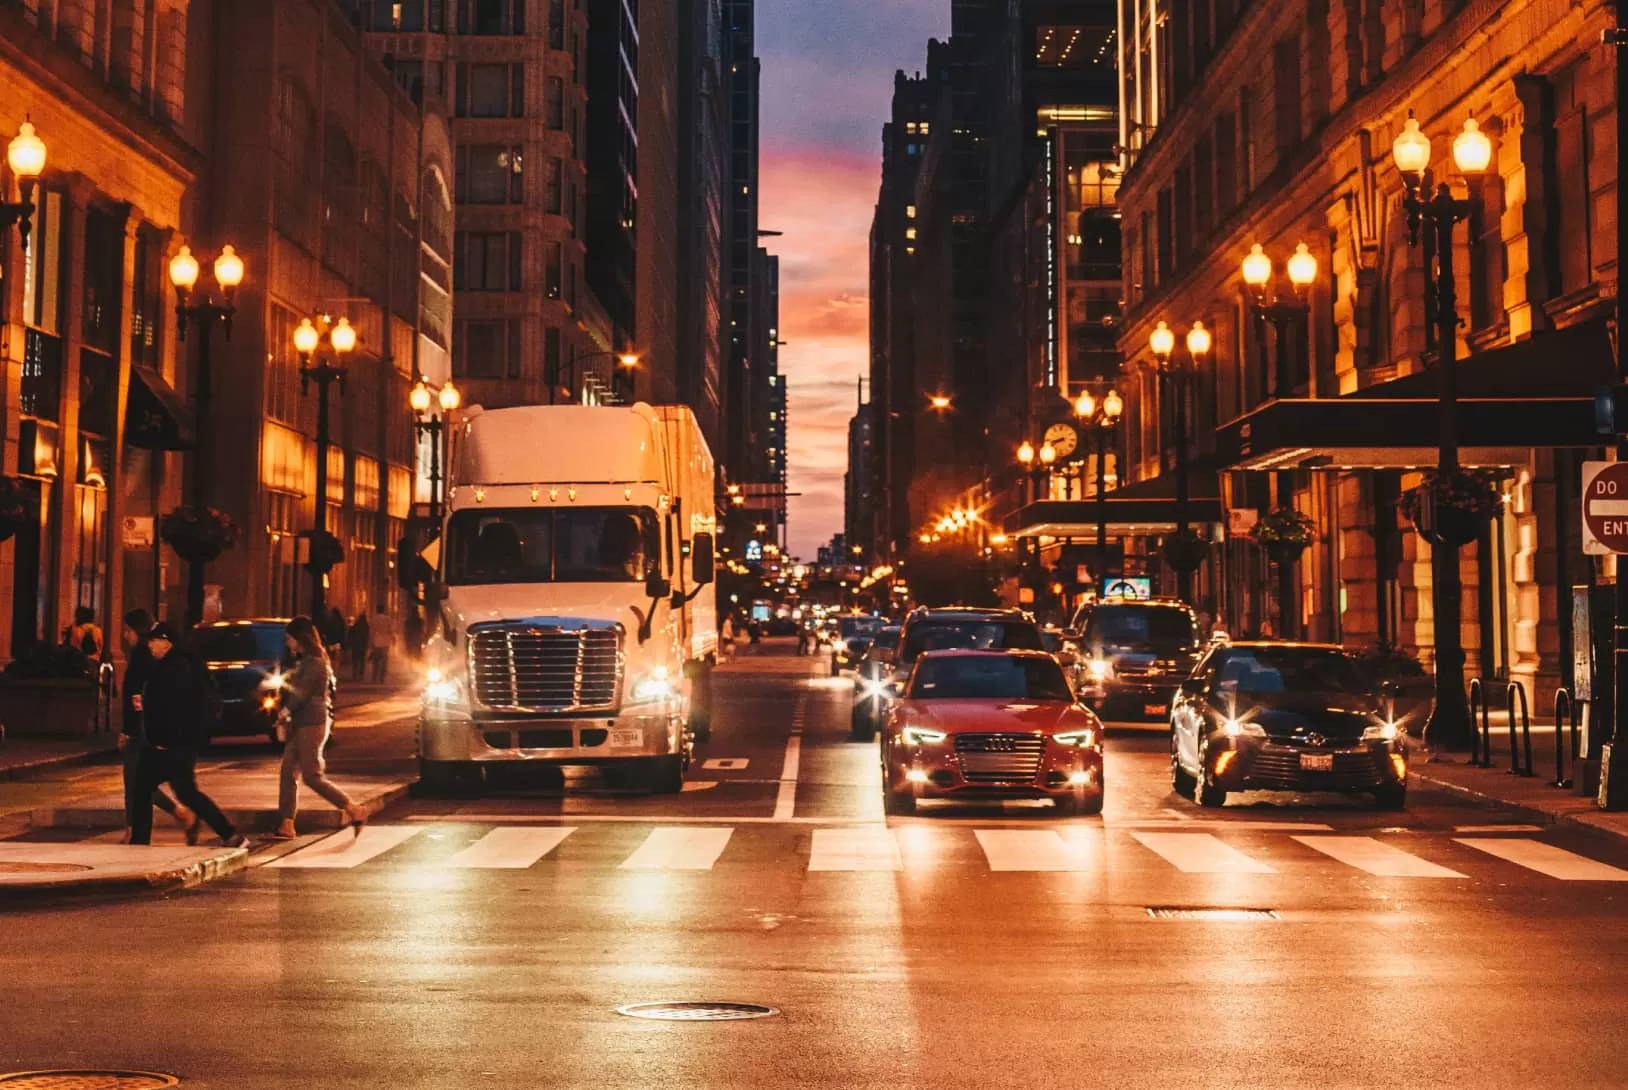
[309, 713]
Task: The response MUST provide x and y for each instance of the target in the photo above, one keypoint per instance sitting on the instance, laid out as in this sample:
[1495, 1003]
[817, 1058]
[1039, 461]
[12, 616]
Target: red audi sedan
[991, 724]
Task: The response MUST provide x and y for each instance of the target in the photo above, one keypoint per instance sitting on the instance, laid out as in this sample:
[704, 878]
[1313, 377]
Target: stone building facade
[1253, 122]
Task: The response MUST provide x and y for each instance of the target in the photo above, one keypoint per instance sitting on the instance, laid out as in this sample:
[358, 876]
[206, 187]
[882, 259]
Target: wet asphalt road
[487, 942]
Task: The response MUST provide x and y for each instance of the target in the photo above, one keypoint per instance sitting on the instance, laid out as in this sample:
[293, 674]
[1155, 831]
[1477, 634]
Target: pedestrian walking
[132, 738]
[382, 639]
[85, 635]
[308, 695]
[358, 642]
[331, 625]
[179, 705]
[726, 637]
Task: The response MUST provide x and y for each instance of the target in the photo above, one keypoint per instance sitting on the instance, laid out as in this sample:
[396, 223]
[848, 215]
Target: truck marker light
[627, 493]
[553, 495]
[536, 494]
[480, 495]
[571, 494]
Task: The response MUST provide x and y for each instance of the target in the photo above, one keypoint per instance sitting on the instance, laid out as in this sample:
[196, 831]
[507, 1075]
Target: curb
[56, 890]
[249, 821]
[1532, 815]
[60, 760]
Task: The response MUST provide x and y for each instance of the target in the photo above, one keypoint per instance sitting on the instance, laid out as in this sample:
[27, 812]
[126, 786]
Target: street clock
[1064, 439]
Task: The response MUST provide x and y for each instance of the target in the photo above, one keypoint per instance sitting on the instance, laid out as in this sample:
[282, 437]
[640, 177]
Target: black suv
[1134, 654]
[247, 659]
[964, 628]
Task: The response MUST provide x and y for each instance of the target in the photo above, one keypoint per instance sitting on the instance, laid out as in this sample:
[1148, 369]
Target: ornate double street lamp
[1184, 552]
[1452, 509]
[26, 157]
[1267, 304]
[199, 309]
[330, 346]
[434, 427]
[1035, 463]
[1101, 416]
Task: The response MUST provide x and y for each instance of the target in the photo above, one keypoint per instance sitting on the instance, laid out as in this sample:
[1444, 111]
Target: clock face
[1063, 439]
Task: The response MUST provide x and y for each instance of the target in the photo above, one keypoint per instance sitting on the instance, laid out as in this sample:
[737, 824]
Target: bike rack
[1480, 738]
[1516, 768]
[104, 699]
[1567, 707]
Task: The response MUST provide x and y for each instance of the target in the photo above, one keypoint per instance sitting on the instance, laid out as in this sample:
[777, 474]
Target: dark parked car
[1134, 654]
[246, 658]
[1285, 717]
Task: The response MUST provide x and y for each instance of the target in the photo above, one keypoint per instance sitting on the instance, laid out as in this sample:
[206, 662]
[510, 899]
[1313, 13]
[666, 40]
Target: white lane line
[672, 848]
[1239, 826]
[867, 848]
[1031, 850]
[510, 849]
[1367, 854]
[343, 850]
[1546, 859]
[1200, 853]
[1498, 828]
[785, 800]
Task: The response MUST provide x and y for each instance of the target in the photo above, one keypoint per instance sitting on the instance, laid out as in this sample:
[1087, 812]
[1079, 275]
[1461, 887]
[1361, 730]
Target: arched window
[437, 213]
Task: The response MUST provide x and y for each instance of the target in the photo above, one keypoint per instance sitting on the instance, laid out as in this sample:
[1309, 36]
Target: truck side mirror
[656, 586]
[701, 556]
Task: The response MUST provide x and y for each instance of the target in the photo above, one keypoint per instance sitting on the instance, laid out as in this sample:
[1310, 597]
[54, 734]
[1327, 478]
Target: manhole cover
[78, 1079]
[697, 1012]
[1222, 914]
[39, 868]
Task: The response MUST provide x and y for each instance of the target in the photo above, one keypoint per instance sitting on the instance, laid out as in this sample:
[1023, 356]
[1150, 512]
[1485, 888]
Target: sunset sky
[827, 86]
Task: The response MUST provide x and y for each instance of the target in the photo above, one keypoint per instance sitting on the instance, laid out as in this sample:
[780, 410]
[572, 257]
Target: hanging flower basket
[1185, 552]
[1285, 534]
[1451, 510]
[13, 508]
[198, 534]
[326, 552]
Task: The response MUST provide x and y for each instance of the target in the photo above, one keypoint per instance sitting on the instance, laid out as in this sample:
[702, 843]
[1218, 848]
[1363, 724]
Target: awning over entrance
[1144, 509]
[1538, 393]
[156, 418]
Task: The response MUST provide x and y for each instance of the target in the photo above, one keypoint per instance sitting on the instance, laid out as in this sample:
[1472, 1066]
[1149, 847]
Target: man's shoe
[236, 840]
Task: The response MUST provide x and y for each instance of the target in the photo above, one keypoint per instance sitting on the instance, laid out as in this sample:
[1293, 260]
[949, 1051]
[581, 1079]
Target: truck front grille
[528, 669]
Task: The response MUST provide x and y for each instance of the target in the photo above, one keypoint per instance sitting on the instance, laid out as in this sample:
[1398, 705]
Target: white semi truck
[577, 622]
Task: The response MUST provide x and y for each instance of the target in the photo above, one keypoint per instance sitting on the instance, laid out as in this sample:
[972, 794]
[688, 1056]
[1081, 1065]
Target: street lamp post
[339, 340]
[26, 157]
[1449, 723]
[202, 311]
[1283, 311]
[434, 427]
[1101, 416]
[1177, 375]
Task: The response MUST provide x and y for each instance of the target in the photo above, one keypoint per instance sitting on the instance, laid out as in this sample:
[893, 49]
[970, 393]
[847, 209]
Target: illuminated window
[910, 127]
[909, 232]
[924, 129]
[910, 211]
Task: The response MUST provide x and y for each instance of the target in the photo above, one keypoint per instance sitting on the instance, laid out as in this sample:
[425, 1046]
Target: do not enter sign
[1605, 508]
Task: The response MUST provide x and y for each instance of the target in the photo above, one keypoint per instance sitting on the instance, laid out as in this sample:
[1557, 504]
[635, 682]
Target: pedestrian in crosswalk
[132, 736]
[308, 709]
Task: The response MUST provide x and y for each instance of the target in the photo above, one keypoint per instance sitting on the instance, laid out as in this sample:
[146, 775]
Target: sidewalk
[20, 756]
[1530, 796]
[35, 874]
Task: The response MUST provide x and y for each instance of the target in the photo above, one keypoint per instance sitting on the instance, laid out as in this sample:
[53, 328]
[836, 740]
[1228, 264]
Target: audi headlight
[1382, 732]
[1085, 738]
[921, 736]
[1098, 669]
[1234, 728]
[653, 686]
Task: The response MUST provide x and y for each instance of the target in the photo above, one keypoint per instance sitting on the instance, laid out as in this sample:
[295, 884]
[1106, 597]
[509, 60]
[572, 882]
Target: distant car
[853, 637]
[991, 724]
[1134, 655]
[1285, 717]
[963, 628]
[870, 684]
[246, 659]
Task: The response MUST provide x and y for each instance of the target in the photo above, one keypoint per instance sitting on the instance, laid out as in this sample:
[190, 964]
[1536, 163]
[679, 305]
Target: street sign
[1241, 521]
[1605, 508]
[138, 531]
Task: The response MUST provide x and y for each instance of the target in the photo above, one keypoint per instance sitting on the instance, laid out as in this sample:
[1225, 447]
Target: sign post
[1605, 533]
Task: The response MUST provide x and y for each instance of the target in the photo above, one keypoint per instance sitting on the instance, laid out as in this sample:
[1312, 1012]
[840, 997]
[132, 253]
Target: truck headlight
[441, 690]
[652, 687]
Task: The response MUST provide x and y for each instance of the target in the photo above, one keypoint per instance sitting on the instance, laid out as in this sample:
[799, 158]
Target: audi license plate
[1317, 762]
[626, 739]
[1155, 709]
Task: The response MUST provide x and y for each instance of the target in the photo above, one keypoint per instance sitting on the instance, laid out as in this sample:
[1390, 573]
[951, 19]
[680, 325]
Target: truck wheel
[446, 777]
[664, 775]
[861, 727]
[701, 704]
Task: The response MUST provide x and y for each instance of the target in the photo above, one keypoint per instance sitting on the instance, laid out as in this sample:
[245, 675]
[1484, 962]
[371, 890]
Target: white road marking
[698, 785]
[1367, 854]
[1546, 859]
[785, 802]
[1239, 826]
[342, 850]
[1031, 850]
[1200, 853]
[726, 764]
[676, 848]
[1498, 828]
[864, 848]
[511, 848]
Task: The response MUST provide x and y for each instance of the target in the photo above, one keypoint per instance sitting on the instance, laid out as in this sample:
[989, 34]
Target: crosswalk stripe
[1367, 854]
[1545, 859]
[867, 848]
[514, 848]
[678, 848]
[1031, 850]
[342, 850]
[1200, 853]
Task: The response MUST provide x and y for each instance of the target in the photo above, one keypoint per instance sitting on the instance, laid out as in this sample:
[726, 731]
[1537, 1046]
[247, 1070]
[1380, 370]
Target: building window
[487, 350]
[551, 357]
[1246, 139]
[491, 16]
[490, 90]
[554, 103]
[553, 170]
[489, 174]
[147, 300]
[1286, 97]
[487, 261]
[556, 24]
[552, 256]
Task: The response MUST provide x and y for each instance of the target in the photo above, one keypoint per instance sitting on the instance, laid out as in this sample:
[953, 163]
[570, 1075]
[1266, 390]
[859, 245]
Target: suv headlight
[1085, 739]
[1383, 732]
[1098, 669]
[921, 736]
[1234, 728]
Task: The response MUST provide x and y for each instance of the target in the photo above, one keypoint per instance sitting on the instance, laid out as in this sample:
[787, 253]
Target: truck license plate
[626, 739]
[1317, 762]
[1155, 709]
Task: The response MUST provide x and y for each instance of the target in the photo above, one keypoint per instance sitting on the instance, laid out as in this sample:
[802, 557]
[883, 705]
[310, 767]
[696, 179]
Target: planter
[326, 552]
[1185, 553]
[13, 508]
[1456, 527]
[198, 534]
[1284, 553]
[48, 708]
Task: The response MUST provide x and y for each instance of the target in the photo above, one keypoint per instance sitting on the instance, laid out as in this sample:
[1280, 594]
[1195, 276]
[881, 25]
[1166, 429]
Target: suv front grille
[529, 669]
[999, 758]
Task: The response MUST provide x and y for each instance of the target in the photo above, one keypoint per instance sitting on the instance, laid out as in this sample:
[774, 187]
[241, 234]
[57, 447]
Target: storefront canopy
[1144, 509]
[156, 418]
[1537, 393]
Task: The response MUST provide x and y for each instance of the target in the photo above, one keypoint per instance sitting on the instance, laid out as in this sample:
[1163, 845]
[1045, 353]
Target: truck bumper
[601, 740]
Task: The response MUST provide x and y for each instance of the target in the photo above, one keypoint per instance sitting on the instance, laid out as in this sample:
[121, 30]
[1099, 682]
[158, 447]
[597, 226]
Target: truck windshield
[575, 545]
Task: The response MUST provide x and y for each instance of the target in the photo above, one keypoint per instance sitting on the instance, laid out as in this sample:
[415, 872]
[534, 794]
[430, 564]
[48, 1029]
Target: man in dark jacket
[178, 707]
[132, 738]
